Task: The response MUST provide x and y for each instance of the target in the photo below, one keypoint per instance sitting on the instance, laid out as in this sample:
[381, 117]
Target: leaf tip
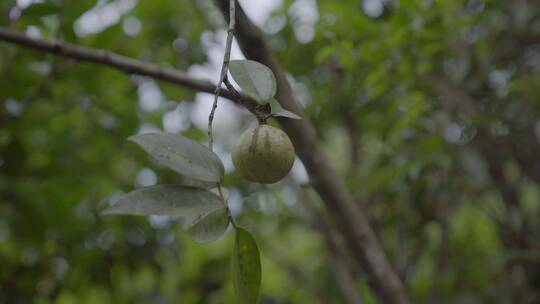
[288, 114]
[133, 138]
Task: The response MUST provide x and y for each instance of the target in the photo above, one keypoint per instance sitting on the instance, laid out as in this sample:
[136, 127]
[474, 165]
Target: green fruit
[263, 154]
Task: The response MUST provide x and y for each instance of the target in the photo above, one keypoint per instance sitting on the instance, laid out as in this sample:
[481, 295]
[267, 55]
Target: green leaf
[278, 110]
[182, 155]
[255, 79]
[211, 227]
[246, 267]
[188, 202]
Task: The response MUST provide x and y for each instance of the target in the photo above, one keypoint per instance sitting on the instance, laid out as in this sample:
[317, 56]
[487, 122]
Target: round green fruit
[263, 154]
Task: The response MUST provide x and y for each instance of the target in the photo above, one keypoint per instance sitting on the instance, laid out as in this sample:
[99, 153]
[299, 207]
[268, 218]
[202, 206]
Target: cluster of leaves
[205, 213]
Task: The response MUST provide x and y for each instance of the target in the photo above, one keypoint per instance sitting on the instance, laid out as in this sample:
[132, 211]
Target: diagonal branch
[113, 60]
[107, 58]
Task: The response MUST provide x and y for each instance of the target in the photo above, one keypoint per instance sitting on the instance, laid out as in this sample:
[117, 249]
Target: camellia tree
[412, 126]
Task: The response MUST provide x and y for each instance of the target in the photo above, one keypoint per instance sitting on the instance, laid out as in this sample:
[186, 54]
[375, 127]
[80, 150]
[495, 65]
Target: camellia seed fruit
[263, 154]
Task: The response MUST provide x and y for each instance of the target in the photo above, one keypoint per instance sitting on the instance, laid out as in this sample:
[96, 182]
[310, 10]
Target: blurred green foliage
[427, 109]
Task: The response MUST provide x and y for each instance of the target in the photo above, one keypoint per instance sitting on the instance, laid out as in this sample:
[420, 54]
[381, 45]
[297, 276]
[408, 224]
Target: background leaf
[246, 267]
[211, 227]
[182, 155]
[37, 10]
[256, 79]
[188, 202]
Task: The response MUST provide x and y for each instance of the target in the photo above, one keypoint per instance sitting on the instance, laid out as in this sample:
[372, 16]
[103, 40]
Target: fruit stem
[262, 120]
[229, 215]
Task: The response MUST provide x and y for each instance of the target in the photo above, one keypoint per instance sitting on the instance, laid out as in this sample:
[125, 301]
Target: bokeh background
[427, 109]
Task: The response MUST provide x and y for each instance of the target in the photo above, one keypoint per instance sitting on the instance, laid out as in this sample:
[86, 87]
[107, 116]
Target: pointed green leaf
[278, 110]
[255, 79]
[210, 227]
[188, 202]
[182, 155]
[246, 267]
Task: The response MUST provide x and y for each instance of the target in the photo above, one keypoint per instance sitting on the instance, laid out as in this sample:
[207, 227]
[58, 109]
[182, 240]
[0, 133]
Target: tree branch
[128, 65]
[339, 202]
[110, 59]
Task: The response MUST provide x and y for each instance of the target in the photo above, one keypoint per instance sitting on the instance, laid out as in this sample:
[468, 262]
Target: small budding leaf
[183, 155]
[211, 227]
[192, 204]
[246, 268]
[255, 79]
[278, 110]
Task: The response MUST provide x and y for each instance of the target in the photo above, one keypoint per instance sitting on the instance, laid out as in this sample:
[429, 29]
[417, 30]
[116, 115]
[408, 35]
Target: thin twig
[229, 215]
[223, 77]
[224, 70]
[259, 111]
